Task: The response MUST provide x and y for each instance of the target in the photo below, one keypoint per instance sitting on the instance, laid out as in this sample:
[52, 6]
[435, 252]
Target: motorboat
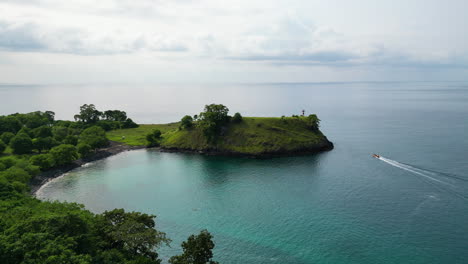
[376, 156]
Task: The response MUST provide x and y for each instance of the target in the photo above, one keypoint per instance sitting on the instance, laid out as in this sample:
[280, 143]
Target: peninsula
[214, 132]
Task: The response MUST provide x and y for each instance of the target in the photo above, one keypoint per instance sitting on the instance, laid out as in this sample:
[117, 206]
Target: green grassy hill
[253, 136]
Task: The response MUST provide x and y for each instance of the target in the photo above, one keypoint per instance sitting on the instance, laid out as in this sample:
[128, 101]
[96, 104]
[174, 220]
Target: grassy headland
[254, 136]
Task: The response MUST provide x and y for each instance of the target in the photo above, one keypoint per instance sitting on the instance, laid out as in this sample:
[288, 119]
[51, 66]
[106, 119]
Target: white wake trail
[413, 170]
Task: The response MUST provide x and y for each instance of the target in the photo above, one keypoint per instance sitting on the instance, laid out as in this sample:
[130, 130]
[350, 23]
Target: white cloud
[257, 35]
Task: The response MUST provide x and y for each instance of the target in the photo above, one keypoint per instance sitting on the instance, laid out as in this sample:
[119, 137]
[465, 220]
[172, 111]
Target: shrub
[84, 150]
[43, 143]
[8, 162]
[21, 144]
[64, 154]
[31, 169]
[186, 122]
[42, 131]
[237, 118]
[129, 123]
[154, 138]
[16, 174]
[2, 146]
[94, 136]
[6, 137]
[43, 161]
[71, 140]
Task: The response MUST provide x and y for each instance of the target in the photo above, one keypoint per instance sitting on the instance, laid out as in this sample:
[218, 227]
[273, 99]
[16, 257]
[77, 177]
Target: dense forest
[34, 231]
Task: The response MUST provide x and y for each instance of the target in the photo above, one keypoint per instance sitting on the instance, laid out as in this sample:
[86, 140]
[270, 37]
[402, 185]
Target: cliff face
[254, 136]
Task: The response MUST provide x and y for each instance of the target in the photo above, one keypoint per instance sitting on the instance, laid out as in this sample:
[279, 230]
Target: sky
[158, 41]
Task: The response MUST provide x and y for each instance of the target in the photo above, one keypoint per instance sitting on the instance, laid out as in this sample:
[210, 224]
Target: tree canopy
[212, 119]
[198, 249]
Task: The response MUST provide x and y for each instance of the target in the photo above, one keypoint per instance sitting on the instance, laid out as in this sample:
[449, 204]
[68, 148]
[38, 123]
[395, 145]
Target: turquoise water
[341, 206]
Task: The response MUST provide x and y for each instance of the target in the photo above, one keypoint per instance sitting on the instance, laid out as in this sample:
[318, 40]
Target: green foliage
[42, 132]
[132, 232]
[84, 149]
[154, 138]
[212, 120]
[71, 140]
[60, 132]
[115, 115]
[64, 154]
[43, 161]
[8, 162]
[15, 174]
[94, 136]
[43, 143]
[313, 122]
[32, 231]
[237, 118]
[21, 144]
[3, 146]
[196, 250]
[109, 125]
[186, 122]
[129, 124]
[9, 124]
[88, 114]
[6, 137]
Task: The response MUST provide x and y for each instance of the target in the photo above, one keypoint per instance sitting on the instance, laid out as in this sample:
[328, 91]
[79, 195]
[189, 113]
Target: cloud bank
[240, 36]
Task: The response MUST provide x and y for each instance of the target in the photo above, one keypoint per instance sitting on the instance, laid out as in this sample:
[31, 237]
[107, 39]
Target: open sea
[341, 206]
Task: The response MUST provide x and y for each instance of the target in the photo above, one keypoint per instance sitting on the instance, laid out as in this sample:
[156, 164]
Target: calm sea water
[341, 206]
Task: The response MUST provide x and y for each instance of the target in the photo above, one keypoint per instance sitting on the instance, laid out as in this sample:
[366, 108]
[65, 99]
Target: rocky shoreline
[114, 148]
[325, 146]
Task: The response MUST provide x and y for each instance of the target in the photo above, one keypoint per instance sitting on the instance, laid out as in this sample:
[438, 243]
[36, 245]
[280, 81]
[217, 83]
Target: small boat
[376, 156]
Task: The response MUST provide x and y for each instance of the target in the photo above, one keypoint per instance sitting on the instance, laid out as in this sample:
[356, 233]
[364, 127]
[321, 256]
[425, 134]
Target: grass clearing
[137, 136]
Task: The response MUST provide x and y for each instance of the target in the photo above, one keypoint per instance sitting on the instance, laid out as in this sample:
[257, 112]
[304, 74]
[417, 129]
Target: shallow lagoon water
[341, 206]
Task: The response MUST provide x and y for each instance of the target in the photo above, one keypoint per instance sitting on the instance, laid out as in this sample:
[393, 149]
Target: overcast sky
[81, 41]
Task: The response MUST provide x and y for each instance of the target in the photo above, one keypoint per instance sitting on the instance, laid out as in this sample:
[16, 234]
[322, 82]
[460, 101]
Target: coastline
[42, 178]
[323, 147]
[116, 147]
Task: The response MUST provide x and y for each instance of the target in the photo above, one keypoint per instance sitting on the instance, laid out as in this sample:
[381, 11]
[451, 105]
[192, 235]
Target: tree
[6, 137]
[42, 131]
[154, 138]
[196, 250]
[43, 161]
[94, 136]
[42, 144]
[88, 114]
[60, 132]
[70, 139]
[84, 149]
[21, 144]
[212, 119]
[313, 122]
[3, 146]
[237, 118]
[64, 154]
[115, 115]
[186, 122]
[50, 116]
[9, 124]
[129, 123]
[133, 233]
